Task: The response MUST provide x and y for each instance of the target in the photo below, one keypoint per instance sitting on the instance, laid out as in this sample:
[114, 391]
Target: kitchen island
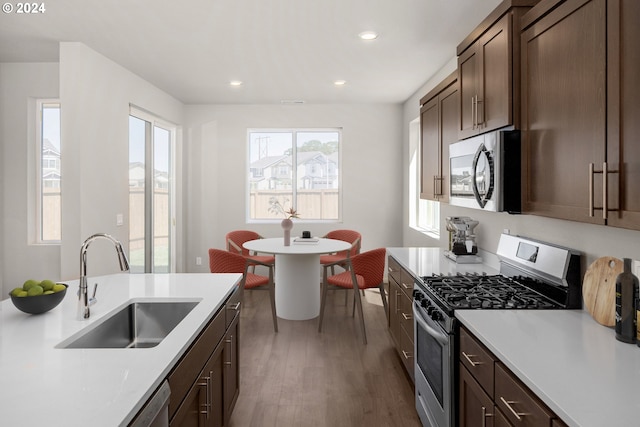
[45, 385]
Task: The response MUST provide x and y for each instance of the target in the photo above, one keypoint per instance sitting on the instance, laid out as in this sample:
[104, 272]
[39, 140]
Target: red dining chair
[364, 271]
[227, 262]
[339, 258]
[235, 239]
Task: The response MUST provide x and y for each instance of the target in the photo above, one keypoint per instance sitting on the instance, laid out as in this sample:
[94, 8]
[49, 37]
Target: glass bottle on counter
[626, 298]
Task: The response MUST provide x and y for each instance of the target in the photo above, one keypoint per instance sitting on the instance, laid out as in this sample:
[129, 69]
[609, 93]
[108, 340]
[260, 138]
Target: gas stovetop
[488, 291]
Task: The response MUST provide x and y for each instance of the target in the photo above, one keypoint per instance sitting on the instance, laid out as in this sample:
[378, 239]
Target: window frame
[294, 189]
[38, 235]
[424, 215]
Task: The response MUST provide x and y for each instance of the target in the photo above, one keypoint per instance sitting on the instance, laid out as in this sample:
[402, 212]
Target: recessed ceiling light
[340, 82]
[235, 83]
[368, 35]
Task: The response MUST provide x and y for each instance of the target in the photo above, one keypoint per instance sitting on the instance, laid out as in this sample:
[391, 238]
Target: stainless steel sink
[136, 325]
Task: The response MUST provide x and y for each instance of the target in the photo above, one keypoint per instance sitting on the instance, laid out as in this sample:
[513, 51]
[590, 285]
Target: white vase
[287, 225]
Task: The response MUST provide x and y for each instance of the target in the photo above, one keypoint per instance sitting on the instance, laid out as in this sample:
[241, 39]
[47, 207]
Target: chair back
[235, 239]
[350, 236]
[226, 262]
[370, 265]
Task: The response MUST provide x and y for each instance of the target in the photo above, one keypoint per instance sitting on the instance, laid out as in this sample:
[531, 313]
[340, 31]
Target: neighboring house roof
[268, 161]
[48, 147]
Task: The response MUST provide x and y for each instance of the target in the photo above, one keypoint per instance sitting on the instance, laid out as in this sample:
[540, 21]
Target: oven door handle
[442, 338]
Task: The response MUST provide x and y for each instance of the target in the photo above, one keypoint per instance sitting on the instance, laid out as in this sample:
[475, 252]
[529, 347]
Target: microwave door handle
[474, 172]
[441, 338]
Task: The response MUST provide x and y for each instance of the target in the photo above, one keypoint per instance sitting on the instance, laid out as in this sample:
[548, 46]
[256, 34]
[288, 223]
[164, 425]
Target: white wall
[20, 259]
[215, 185]
[593, 240]
[95, 95]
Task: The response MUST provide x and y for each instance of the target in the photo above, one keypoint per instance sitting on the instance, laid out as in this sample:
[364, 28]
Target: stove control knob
[430, 310]
[436, 315]
[424, 303]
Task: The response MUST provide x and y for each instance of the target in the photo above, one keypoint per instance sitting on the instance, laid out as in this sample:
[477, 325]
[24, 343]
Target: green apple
[35, 291]
[30, 283]
[16, 291]
[58, 287]
[47, 284]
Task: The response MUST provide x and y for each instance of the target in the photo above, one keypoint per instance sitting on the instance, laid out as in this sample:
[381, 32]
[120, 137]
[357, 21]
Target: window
[424, 215]
[297, 169]
[151, 199]
[49, 210]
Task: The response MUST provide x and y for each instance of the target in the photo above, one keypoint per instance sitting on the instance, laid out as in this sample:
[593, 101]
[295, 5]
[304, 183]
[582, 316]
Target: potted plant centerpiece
[276, 208]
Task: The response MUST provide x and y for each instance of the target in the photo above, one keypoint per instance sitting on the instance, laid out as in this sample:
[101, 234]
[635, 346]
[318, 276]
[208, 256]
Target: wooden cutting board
[599, 289]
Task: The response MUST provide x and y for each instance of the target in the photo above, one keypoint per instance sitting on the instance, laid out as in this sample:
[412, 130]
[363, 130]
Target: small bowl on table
[39, 304]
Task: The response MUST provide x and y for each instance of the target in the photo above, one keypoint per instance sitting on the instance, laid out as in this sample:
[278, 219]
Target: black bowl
[40, 303]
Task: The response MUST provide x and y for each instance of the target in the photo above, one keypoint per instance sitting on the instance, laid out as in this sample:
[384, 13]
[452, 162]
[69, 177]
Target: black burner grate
[487, 291]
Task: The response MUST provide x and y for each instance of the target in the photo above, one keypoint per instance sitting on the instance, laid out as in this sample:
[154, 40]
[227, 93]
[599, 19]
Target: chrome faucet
[82, 292]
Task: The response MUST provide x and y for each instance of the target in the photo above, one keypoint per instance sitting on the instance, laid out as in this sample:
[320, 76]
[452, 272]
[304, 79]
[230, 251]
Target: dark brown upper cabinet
[580, 104]
[438, 129]
[489, 71]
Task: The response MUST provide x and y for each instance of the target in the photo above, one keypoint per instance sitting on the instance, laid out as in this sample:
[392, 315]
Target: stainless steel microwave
[484, 172]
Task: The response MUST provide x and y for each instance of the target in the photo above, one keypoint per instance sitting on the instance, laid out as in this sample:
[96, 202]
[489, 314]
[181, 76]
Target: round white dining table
[297, 280]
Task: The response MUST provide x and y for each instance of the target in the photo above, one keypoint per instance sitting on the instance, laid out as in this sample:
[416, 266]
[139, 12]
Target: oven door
[433, 371]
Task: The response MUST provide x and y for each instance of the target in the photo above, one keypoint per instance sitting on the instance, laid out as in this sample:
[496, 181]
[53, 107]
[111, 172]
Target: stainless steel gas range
[533, 275]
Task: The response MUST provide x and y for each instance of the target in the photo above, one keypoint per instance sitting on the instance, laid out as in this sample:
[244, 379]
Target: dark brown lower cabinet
[401, 313]
[500, 401]
[204, 383]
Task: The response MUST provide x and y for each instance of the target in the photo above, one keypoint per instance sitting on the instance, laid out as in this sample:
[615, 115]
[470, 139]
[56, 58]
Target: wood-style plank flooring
[299, 377]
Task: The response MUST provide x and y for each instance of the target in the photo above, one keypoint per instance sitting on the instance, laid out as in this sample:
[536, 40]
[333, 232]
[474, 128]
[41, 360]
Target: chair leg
[323, 299]
[358, 302]
[272, 299]
[383, 295]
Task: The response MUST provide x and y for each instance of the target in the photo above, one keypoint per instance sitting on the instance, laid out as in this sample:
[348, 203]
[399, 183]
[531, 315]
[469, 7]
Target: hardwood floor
[299, 377]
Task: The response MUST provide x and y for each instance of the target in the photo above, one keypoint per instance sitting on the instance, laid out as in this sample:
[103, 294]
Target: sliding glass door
[151, 223]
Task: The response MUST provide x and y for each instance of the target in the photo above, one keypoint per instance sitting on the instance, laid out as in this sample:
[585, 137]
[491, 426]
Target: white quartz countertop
[428, 261]
[45, 385]
[574, 364]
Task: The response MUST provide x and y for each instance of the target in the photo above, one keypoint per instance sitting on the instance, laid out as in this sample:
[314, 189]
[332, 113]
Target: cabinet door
[203, 404]
[395, 295]
[430, 156]
[563, 110]
[192, 411]
[449, 123]
[476, 407]
[469, 63]
[623, 109]
[495, 88]
[230, 379]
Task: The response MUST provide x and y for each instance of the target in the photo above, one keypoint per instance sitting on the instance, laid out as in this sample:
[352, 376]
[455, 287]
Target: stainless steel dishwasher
[155, 412]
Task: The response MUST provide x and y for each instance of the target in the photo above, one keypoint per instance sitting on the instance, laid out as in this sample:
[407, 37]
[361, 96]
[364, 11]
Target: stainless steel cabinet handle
[508, 404]
[605, 173]
[473, 114]
[591, 172]
[469, 356]
[234, 307]
[230, 342]
[406, 354]
[605, 183]
[478, 121]
[407, 316]
[484, 416]
[409, 286]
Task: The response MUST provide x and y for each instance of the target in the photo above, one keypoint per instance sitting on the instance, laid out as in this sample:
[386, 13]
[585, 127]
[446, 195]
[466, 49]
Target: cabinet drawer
[405, 314]
[517, 402]
[478, 360]
[394, 270]
[406, 283]
[406, 353]
[232, 307]
[186, 372]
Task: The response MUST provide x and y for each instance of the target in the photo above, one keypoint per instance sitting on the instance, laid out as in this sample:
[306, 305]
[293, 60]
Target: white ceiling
[280, 49]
